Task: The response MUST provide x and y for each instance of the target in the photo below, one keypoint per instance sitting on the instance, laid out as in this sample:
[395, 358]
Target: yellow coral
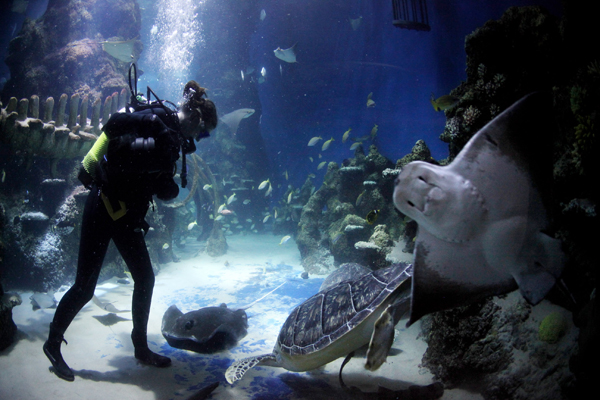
[553, 327]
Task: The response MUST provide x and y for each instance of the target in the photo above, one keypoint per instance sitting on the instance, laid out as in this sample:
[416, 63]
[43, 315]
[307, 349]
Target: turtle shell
[327, 316]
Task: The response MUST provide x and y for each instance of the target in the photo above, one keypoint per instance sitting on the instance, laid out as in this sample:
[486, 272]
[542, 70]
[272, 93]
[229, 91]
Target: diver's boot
[52, 351]
[144, 354]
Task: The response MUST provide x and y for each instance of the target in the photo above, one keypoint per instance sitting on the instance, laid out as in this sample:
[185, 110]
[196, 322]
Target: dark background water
[325, 93]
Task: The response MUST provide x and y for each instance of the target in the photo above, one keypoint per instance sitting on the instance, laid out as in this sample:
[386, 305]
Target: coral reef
[494, 347]
[494, 81]
[419, 152]
[328, 238]
[8, 329]
[44, 247]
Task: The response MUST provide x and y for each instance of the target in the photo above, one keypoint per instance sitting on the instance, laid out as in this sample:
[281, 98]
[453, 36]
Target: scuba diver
[132, 160]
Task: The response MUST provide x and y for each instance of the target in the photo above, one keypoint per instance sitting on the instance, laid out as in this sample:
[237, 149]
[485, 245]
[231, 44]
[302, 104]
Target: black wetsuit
[132, 176]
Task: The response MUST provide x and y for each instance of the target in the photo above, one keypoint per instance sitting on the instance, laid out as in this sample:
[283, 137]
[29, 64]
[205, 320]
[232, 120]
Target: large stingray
[207, 330]
[287, 55]
[482, 218]
[233, 119]
[122, 50]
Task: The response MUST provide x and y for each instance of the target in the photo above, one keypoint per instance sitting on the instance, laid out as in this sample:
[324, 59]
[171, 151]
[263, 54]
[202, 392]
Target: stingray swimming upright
[233, 119]
[287, 55]
[207, 330]
[483, 218]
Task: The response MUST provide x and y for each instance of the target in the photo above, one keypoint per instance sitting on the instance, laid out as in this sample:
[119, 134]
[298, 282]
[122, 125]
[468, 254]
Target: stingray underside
[509, 163]
[448, 275]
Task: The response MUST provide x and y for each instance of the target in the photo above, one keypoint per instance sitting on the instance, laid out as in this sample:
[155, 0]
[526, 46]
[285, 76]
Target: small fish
[372, 216]
[286, 175]
[370, 102]
[248, 220]
[247, 201]
[207, 187]
[355, 145]
[362, 138]
[263, 72]
[191, 225]
[346, 134]
[221, 208]
[265, 219]
[275, 214]
[242, 74]
[290, 197]
[252, 227]
[320, 155]
[359, 198]
[231, 199]
[287, 55]
[327, 144]
[337, 236]
[263, 14]
[263, 184]
[444, 102]
[374, 131]
[165, 246]
[322, 164]
[219, 217]
[280, 70]
[3, 176]
[285, 239]
[311, 175]
[311, 159]
[355, 23]
[314, 140]
[225, 212]
[269, 190]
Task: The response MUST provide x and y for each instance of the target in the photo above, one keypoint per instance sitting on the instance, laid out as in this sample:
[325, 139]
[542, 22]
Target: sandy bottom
[101, 355]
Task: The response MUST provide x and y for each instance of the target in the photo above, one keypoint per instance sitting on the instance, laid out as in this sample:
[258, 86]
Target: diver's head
[197, 115]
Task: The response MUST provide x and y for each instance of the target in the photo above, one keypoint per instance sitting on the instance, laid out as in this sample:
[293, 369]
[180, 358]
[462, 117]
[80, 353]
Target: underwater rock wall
[63, 51]
[526, 50]
[42, 219]
[506, 59]
[26, 129]
[501, 347]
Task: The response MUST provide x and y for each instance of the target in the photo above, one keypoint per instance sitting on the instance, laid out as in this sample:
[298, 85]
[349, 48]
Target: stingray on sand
[207, 330]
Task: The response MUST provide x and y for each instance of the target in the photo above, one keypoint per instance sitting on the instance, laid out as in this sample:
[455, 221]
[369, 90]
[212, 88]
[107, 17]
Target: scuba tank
[138, 103]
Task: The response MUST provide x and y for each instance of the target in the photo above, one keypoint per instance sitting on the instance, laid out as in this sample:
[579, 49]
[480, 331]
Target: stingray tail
[256, 301]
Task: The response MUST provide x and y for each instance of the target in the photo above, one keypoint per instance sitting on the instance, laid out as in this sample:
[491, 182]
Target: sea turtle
[335, 322]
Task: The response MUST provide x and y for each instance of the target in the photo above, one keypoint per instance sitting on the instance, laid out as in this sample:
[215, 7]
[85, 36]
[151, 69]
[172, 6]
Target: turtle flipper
[381, 341]
[237, 370]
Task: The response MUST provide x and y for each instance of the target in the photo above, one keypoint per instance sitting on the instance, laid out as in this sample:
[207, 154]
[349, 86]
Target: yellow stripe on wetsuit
[90, 161]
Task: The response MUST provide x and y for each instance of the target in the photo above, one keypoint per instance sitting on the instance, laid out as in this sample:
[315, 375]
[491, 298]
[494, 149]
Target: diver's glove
[85, 178]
